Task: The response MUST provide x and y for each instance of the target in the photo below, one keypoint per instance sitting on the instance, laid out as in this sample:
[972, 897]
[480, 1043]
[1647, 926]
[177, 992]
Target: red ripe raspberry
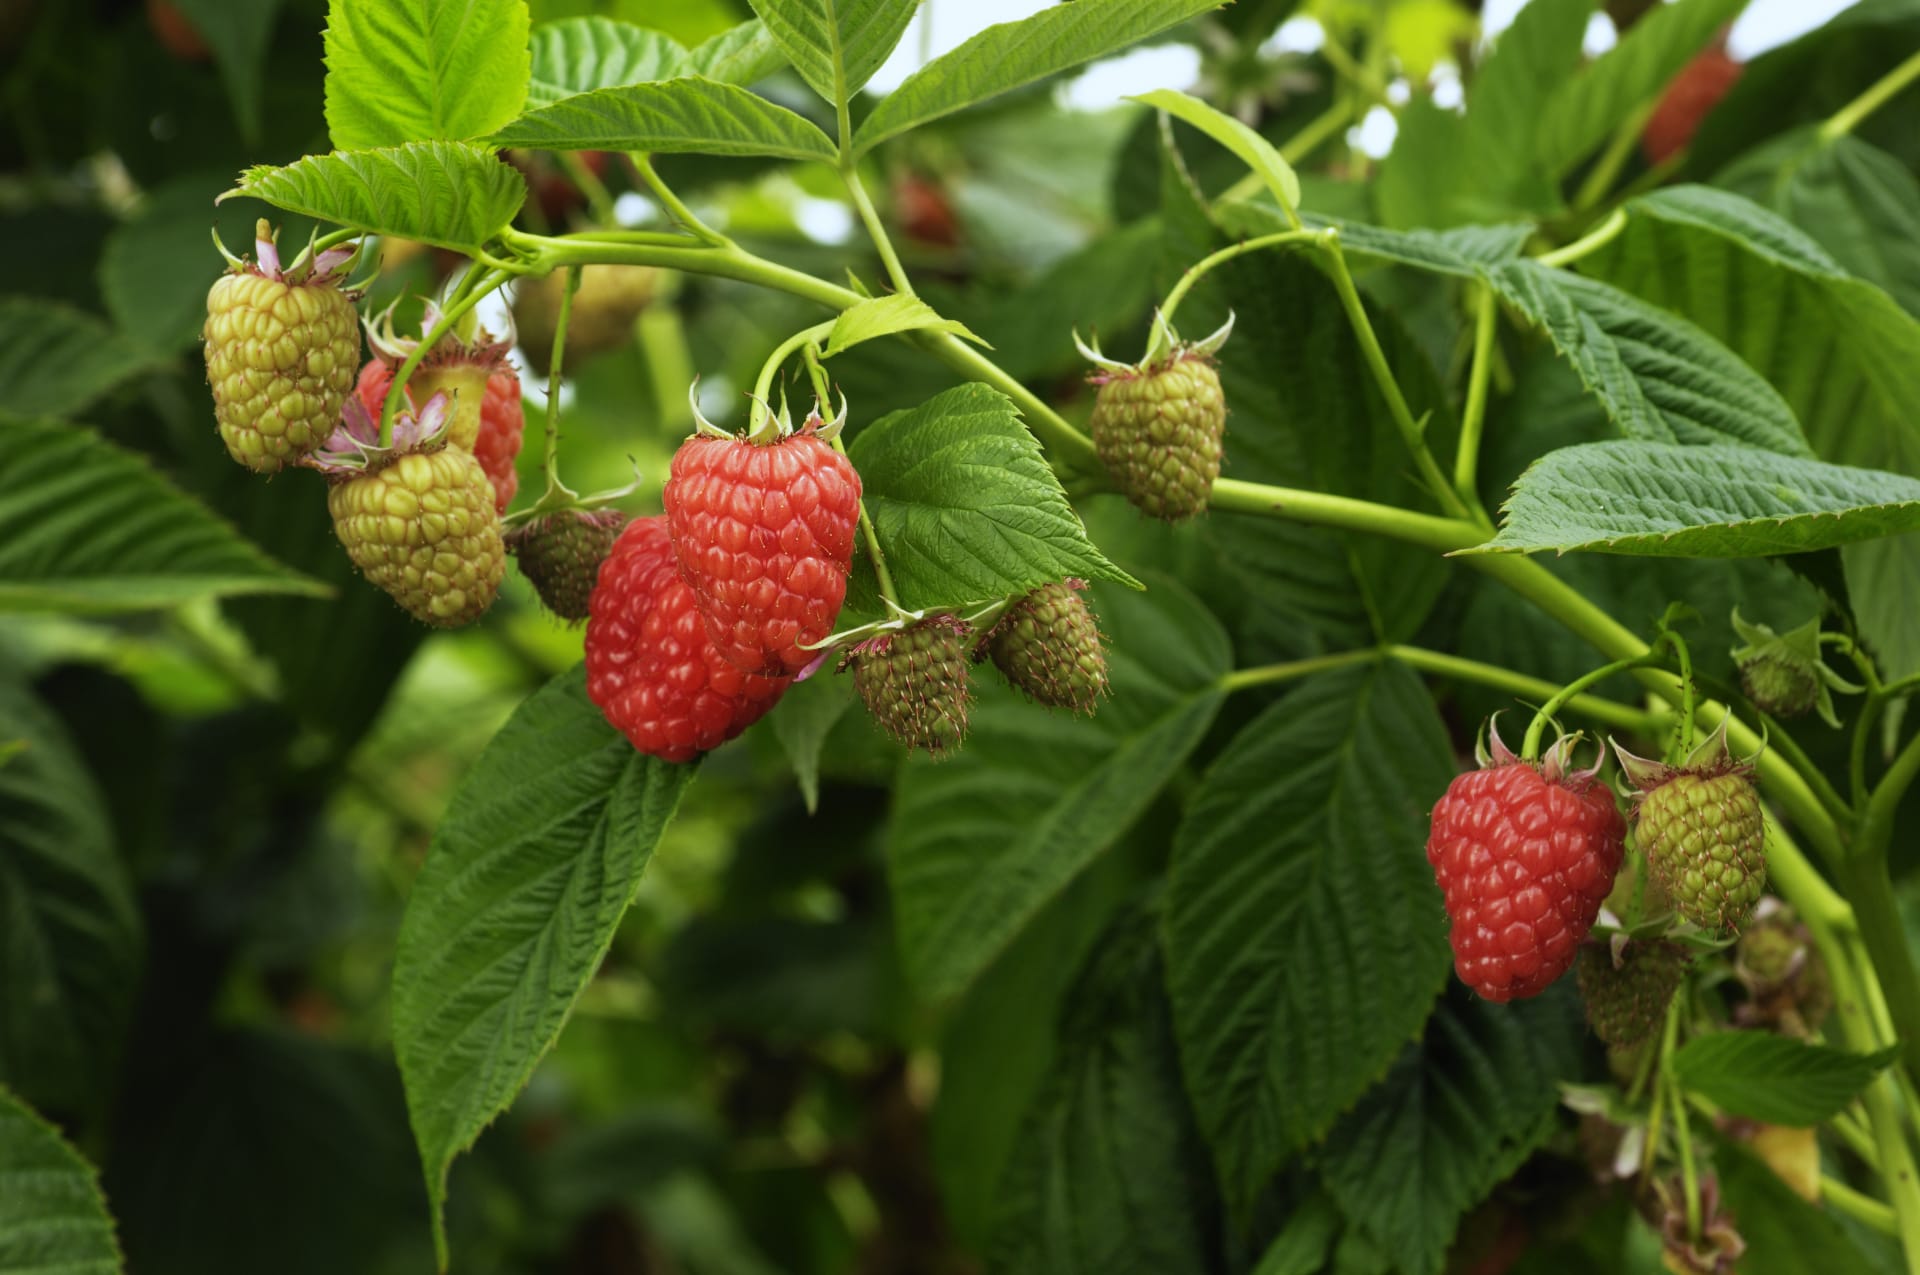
[1525, 853]
[764, 534]
[497, 445]
[650, 667]
[1689, 98]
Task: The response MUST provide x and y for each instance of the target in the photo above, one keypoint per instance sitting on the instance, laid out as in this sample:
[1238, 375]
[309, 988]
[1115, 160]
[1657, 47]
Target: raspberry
[471, 367]
[1627, 998]
[417, 519]
[650, 667]
[1525, 854]
[281, 348]
[764, 534]
[1786, 980]
[1048, 645]
[914, 682]
[1158, 425]
[560, 554]
[610, 298]
[1703, 832]
[1689, 97]
[1783, 673]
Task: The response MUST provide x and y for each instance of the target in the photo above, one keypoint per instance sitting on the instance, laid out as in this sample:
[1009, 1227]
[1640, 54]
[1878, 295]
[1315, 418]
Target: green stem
[552, 461]
[1410, 429]
[1274, 674]
[1863, 728]
[1870, 890]
[857, 190]
[1682, 1131]
[677, 210]
[1072, 449]
[1594, 240]
[1466, 462]
[1778, 737]
[591, 186]
[1199, 269]
[872, 539]
[1530, 749]
[1321, 509]
[1354, 73]
[763, 386]
[1606, 169]
[1877, 816]
[1853, 1131]
[1849, 117]
[455, 311]
[1605, 711]
[1863, 1209]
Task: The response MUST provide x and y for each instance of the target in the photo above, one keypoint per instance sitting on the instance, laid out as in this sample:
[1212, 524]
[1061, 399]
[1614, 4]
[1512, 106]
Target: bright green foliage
[423, 70]
[687, 114]
[1774, 1078]
[451, 194]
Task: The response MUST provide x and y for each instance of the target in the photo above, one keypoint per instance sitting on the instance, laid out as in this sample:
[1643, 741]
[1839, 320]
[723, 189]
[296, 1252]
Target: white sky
[1765, 24]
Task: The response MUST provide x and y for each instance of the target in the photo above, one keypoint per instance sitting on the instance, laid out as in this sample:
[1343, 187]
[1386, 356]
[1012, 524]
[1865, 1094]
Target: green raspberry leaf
[1842, 352]
[1667, 500]
[1305, 936]
[745, 54]
[527, 879]
[982, 841]
[887, 316]
[1775, 1079]
[1109, 1173]
[579, 55]
[1659, 377]
[423, 70]
[73, 947]
[52, 1217]
[835, 45]
[965, 506]
[451, 194]
[671, 116]
[1459, 1112]
[55, 359]
[85, 526]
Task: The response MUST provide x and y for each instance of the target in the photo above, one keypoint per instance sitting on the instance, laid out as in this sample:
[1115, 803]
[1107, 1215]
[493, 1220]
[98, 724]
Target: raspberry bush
[831, 651]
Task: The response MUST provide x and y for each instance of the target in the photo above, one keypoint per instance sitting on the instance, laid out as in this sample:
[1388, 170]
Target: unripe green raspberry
[1048, 645]
[914, 682]
[1705, 840]
[424, 528]
[1780, 684]
[1627, 1001]
[1160, 432]
[282, 353]
[560, 555]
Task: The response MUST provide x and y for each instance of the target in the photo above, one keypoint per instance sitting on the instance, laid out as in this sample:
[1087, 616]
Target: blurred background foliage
[748, 1086]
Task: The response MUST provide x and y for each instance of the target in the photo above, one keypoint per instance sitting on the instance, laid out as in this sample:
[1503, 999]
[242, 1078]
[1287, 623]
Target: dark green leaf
[52, 1218]
[1457, 1114]
[238, 35]
[1660, 378]
[1305, 938]
[528, 876]
[981, 842]
[1775, 1079]
[1011, 54]
[965, 506]
[803, 719]
[578, 55]
[1668, 500]
[54, 359]
[85, 526]
[1846, 357]
[1110, 1176]
[451, 194]
[70, 952]
[684, 114]
[835, 45]
[403, 71]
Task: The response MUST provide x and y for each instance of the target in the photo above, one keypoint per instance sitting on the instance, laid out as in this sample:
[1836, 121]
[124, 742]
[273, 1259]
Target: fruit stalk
[1530, 746]
[455, 311]
[551, 462]
[1878, 94]
[1466, 461]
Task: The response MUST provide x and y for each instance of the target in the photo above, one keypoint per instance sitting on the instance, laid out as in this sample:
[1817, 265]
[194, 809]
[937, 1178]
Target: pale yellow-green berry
[281, 358]
[425, 529]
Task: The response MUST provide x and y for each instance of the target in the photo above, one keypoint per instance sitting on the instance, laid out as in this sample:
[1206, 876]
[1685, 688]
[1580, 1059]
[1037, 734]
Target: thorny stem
[1410, 429]
[1530, 749]
[1591, 242]
[455, 311]
[1466, 462]
[1883, 90]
